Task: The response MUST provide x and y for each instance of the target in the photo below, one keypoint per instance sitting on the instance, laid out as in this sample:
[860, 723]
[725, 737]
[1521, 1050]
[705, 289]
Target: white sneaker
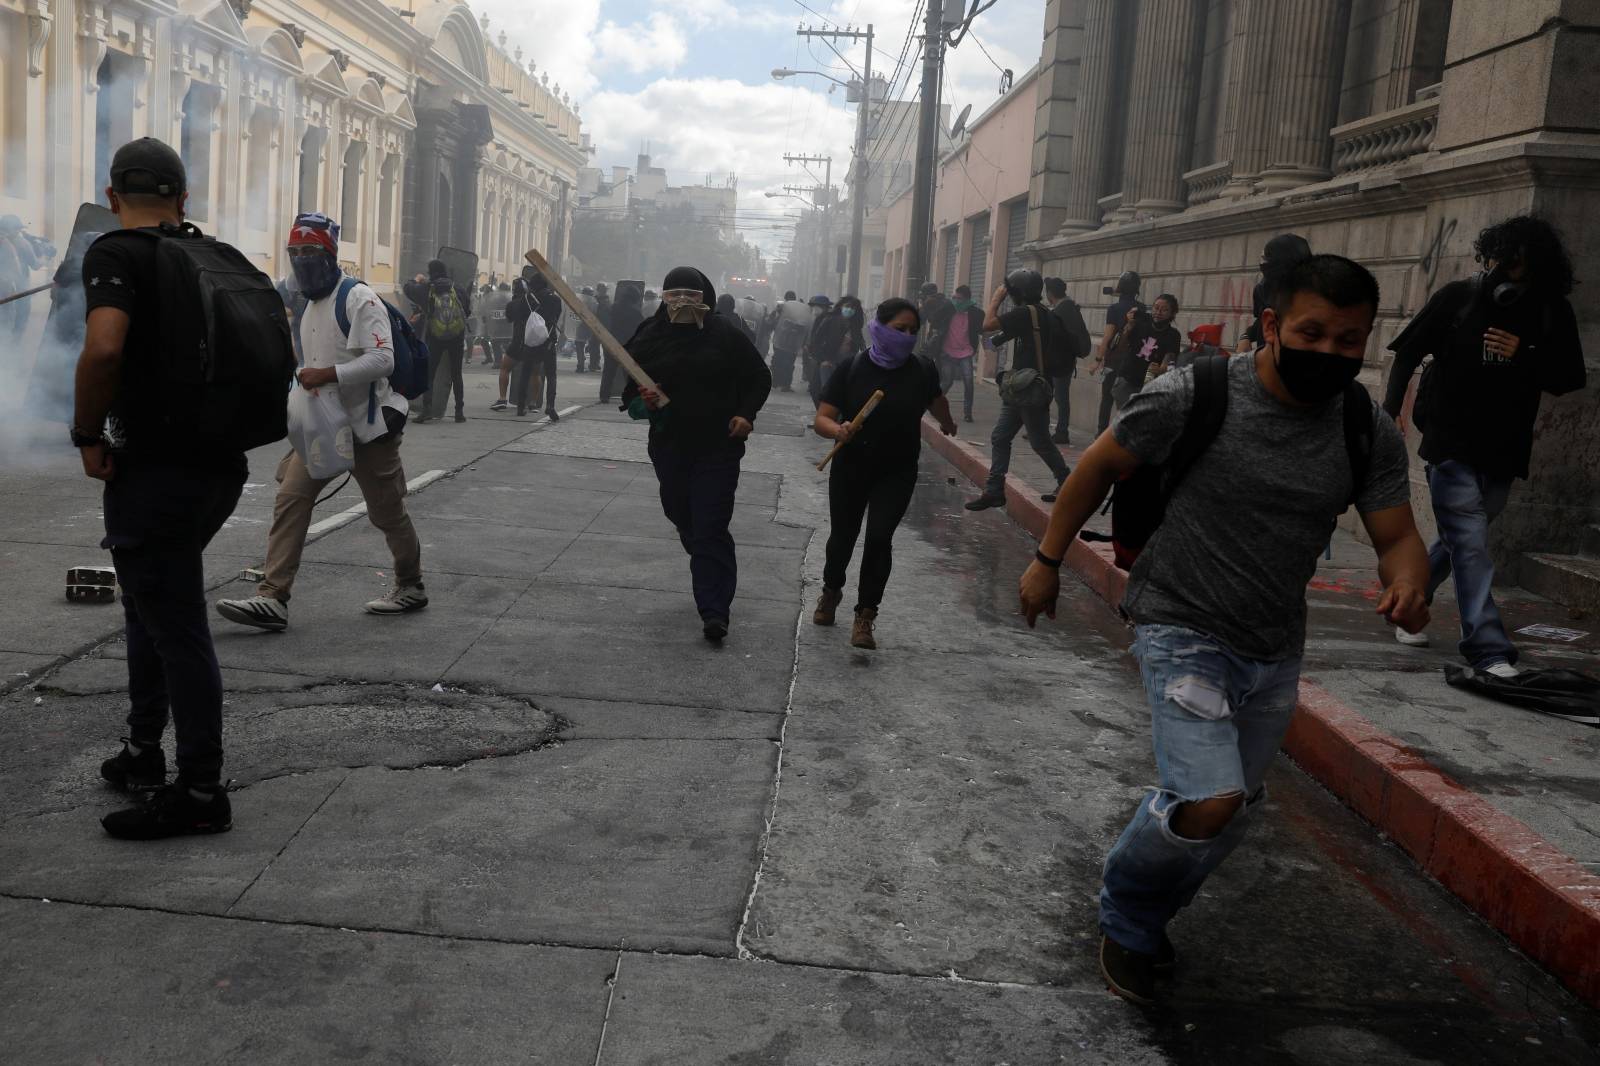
[262, 612]
[1502, 670]
[1411, 640]
[400, 601]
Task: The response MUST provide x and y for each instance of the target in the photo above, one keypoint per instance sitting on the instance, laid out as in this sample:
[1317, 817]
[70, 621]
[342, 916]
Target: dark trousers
[159, 520]
[612, 379]
[698, 487]
[1064, 403]
[521, 378]
[862, 490]
[445, 358]
[783, 368]
[1108, 397]
[595, 350]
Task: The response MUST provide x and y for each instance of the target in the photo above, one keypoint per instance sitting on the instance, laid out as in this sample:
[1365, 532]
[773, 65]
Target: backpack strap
[341, 312]
[1038, 341]
[1209, 411]
[1360, 431]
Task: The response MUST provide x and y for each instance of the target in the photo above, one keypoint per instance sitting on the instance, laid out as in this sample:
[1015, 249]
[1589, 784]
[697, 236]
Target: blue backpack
[410, 375]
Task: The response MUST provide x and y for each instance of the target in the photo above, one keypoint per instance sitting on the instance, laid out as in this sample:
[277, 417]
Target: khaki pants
[383, 486]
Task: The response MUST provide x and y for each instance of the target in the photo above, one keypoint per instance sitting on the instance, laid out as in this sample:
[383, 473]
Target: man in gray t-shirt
[1219, 593]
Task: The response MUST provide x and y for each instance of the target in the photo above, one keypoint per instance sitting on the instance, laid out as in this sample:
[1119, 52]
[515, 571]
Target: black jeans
[442, 355]
[1108, 384]
[783, 368]
[159, 519]
[880, 495]
[698, 487]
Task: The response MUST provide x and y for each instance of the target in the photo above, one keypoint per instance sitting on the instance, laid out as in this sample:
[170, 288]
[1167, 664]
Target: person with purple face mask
[872, 479]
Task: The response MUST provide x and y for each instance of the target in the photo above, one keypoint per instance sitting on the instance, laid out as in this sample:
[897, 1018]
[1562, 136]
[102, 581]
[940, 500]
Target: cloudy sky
[695, 81]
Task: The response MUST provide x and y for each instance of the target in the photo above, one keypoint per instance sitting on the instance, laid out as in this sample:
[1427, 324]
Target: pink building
[980, 208]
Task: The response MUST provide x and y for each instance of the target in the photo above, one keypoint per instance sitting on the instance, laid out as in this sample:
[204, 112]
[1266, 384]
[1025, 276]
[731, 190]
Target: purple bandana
[890, 348]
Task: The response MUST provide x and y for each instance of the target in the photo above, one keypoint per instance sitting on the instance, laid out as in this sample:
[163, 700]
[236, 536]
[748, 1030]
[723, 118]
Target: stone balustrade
[1205, 184]
[1384, 139]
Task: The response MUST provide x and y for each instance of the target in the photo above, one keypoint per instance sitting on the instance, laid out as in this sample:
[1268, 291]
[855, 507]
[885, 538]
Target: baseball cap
[148, 166]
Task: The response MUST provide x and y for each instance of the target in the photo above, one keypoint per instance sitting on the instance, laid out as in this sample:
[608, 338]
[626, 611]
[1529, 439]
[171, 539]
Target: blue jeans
[951, 370]
[1217, 719]
[1464, 503]
[1006, 427]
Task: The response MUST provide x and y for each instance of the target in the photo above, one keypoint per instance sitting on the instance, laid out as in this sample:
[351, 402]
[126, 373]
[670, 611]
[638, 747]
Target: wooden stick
[612, 346]
[855, 423]
[30, 292]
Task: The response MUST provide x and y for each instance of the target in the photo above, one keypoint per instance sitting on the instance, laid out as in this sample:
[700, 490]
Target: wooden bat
[855, 423]
[612, 346]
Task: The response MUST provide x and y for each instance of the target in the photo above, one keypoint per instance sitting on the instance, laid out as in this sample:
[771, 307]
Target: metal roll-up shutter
[1016, 233]
[952, 240]
[978, 254]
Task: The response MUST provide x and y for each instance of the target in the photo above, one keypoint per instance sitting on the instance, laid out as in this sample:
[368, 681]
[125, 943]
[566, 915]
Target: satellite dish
[960, 122]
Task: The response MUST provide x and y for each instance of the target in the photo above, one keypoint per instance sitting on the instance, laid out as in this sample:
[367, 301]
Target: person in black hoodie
[1498, 340]
[1277, 259]
[537, 297]
[716, 383]
[839, 334]
[627, 315]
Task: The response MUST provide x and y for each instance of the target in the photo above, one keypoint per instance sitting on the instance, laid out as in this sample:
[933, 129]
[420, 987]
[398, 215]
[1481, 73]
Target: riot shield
[462, 264]
[50, 386]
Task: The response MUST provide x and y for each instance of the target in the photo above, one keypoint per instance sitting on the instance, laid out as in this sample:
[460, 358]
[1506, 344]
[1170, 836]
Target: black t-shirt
[1483, 407]
[1017, 325]
[892, 434]
[119, 271]
[1146, 348]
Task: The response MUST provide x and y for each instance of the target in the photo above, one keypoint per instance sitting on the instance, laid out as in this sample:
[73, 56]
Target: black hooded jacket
[1282, 252]
[709, 373]
[627, 314]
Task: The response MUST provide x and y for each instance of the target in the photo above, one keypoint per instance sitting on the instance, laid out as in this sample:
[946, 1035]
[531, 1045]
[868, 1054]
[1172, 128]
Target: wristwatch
[81, 439]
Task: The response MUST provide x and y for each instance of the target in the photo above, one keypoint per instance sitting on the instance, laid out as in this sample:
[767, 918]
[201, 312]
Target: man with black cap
[164, 501]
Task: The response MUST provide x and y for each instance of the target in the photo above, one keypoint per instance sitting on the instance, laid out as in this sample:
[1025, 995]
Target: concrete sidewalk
[1499, 803]
[544, 821]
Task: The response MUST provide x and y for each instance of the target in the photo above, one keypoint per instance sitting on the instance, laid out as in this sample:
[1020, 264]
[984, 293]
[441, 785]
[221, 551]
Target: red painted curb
[1543, 900]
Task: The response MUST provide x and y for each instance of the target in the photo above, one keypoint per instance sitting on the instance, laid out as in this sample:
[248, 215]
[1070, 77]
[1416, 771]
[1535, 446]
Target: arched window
[259, 183]
[194, 145]
[311, 169]
[350, 192]
[387, 175]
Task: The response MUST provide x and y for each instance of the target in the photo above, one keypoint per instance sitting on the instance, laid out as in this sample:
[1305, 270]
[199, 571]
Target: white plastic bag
[320, 431]
[534, 331]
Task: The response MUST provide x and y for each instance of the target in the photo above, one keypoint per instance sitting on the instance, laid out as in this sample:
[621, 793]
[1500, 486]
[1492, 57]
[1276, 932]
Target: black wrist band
[1054, 564]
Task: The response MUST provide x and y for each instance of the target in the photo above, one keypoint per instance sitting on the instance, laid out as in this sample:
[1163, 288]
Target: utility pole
[858, 193]
[825, 205]
[917, 250]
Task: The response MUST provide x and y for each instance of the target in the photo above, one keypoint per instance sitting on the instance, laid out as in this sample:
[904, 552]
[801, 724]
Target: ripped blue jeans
[1217, 719]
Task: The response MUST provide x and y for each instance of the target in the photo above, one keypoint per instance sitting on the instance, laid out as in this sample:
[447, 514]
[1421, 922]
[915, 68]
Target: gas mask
[685, 306]
[1500, 288]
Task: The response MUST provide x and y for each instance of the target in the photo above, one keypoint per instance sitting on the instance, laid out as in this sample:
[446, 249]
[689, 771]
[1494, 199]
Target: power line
[986, 54]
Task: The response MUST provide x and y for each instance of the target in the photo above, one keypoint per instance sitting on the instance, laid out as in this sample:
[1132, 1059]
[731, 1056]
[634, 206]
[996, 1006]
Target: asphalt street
[544, 822]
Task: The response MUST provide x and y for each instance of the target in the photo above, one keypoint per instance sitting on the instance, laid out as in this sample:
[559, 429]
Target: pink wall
[981, 176]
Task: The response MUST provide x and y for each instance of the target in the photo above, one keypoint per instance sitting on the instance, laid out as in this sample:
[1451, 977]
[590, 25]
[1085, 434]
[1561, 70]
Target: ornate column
[1311, 37]
[1161, 118]
[1091, 119]
[1248, 125]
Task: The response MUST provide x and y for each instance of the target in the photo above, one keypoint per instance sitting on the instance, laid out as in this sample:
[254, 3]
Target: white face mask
[685, 306]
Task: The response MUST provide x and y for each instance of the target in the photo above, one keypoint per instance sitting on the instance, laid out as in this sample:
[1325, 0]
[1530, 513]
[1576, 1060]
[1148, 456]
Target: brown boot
[861, 635]
[827, 603]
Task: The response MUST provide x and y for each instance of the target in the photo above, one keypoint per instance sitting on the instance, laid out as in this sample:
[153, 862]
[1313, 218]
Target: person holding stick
[717, 383]
[876, 469]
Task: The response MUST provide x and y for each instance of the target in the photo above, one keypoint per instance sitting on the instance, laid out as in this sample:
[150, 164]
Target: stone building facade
[1174, 137]
[414, 132]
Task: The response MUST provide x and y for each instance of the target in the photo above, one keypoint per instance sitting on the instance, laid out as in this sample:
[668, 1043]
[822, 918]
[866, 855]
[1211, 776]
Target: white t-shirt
[364, 360]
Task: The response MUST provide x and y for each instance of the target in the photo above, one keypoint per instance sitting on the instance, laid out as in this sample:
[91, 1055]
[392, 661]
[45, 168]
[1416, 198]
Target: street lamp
[858, 195]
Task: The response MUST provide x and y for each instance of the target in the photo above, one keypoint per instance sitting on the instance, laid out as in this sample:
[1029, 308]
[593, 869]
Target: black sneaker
[172, 812]
[552, 414]
[715, 630]
[1166, 958]
[127, 772]
[984, 502]
[1130, 974]
[460, 417]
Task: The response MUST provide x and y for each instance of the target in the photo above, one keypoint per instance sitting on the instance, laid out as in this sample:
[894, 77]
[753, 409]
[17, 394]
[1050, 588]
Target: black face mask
[1314, 377]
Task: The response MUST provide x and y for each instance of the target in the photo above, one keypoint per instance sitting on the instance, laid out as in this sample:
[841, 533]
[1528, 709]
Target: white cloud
[658, 43]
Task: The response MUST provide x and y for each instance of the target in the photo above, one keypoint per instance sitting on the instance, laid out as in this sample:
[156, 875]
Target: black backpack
[1139, 503]
[1070, 316]
[225, 355]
